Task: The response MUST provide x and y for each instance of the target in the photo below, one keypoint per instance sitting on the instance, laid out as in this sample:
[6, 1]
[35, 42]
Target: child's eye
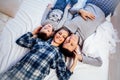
[56, 15]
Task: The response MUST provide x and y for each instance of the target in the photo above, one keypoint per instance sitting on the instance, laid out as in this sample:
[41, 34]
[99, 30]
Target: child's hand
[86, 14]
[49, 6]
[68, 6]
[36, 30]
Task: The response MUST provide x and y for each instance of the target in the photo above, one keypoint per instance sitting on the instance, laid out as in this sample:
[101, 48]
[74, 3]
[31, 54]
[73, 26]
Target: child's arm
[44, 17]
[64, 18]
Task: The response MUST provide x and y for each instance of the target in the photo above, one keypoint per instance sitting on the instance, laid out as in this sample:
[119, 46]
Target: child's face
[71, 43]
[48, 29]
[55, 15]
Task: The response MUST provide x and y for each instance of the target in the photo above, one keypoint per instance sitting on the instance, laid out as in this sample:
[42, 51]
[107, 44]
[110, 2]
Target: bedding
[29, 17]
[10, 7]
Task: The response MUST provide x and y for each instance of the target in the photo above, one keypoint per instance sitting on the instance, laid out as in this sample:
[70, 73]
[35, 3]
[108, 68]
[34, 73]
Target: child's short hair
[43, 36]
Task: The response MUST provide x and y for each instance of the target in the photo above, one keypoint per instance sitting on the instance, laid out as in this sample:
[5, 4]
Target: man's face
[48, 29]
[71, 43]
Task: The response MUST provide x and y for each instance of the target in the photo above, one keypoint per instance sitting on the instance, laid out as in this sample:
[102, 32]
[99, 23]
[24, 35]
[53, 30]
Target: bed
[29, 17]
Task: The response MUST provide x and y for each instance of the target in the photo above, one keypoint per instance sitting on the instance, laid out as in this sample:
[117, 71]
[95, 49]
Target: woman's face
[60, 36]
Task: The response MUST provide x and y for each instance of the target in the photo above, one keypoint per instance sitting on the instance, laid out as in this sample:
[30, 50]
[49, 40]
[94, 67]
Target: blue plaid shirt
[107, 6]
[36, 64]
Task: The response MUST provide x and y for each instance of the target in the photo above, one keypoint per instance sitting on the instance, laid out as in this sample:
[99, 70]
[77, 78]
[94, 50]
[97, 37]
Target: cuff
[29, 34]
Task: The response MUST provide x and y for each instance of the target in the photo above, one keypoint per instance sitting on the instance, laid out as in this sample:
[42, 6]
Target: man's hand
[36, 30]
[86, 14]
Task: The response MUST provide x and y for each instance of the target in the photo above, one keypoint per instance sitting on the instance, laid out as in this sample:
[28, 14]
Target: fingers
[91, 16]
[49, 6]
[84, 17]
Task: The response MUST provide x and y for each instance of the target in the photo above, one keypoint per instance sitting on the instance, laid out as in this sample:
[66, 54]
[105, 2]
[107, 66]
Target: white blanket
[29, 17]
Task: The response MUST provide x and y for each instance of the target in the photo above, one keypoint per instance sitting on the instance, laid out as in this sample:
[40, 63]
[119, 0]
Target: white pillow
[78, 5]
[10, 7]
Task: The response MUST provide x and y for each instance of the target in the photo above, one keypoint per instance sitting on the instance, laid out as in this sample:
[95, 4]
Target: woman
[43, 55]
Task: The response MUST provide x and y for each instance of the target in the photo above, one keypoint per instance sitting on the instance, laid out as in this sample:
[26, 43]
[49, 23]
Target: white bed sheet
[29, 17]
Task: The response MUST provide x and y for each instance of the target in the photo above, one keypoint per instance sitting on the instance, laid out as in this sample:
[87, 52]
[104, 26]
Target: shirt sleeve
[45, 15]
[26, 40]
[64, 18]
[92, 61]
[62, 72]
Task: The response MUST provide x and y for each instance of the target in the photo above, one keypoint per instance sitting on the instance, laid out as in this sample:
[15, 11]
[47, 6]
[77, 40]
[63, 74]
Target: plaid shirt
[36, 64]
[107, 6]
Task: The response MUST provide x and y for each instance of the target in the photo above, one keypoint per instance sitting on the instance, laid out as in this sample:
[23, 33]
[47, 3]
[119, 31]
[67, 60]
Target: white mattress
[29, 17]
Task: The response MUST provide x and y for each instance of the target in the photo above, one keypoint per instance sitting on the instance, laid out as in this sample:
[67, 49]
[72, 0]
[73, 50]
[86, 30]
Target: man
[71, 45]
[91, 16]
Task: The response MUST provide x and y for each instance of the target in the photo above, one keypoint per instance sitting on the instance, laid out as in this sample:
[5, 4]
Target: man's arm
[28, 39]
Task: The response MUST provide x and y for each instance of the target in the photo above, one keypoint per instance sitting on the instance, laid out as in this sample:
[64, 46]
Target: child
[43, 32]
[58, 14]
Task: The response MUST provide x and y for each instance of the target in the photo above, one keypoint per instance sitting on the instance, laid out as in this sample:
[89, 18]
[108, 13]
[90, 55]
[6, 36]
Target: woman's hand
[86, 14]
[36, 30]
[79, 54]
[75, 60]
